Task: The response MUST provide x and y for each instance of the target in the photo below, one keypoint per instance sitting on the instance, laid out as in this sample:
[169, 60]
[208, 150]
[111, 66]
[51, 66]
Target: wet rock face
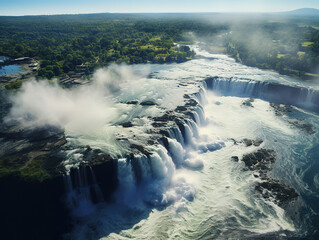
[281, 109]
[140, 148]
[127, 124]
[132, 102]
[248, 102]
[31, 179]
[301, 124]
[248, 142]
[163, 120]
[181, 109]
[306, 127]
[191, 103]
[235, 158]
[148, 103]
[33, 134]
[279, 192]
[36, 147]
[261, 162]
[98, 168]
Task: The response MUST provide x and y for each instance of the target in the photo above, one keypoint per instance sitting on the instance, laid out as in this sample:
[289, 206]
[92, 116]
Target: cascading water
[273, 92]
[173, 146]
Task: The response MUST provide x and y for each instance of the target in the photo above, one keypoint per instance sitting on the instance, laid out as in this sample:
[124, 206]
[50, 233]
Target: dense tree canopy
[287, 48]
[68, 42]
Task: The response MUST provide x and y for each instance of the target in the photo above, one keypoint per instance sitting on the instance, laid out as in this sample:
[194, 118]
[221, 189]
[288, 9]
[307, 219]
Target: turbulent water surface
[190, 187]
[195, 191]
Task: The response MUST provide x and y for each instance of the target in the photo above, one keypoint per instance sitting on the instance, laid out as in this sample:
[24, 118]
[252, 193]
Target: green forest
[70, 43]
[288, 48]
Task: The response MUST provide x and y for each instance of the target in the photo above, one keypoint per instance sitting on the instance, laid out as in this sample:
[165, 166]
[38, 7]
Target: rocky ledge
[301, 124]
[260, 163]
[32, 180]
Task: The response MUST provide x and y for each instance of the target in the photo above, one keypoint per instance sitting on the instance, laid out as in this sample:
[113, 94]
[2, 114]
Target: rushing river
[195, 190]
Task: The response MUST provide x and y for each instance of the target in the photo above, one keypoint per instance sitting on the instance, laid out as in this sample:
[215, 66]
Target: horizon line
[91, 13]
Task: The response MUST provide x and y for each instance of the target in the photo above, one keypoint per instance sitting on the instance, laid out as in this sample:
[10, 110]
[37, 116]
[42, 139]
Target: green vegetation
[67, 44]
[15, 84]
[284, 47]
[306, 44]
[28, 170]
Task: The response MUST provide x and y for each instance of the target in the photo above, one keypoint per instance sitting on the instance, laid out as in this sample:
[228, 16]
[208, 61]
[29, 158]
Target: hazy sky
[26, 7]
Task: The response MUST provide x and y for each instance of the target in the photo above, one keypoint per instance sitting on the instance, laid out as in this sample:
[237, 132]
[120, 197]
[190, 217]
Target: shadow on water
[110, 219]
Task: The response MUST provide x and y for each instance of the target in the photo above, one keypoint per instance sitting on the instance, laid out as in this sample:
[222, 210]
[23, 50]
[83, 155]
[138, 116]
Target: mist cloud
[40, 103]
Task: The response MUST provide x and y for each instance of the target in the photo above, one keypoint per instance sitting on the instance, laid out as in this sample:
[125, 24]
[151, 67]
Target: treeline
[70, 43]
[286, 48]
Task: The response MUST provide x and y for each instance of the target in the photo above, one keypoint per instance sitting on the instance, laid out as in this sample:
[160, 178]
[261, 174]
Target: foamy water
[194, 190]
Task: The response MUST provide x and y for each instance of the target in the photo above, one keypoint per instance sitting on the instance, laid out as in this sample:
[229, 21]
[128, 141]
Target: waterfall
[84, 189]
[127, 188]
[272, 92]
[177, 151]
[201, 114]
[175, 133]
[152, 178]
[78, 195]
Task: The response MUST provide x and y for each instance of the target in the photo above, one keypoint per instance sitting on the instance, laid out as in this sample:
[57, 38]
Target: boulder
[148, 103]
[127, 124]
[261, 160]
[235, 158]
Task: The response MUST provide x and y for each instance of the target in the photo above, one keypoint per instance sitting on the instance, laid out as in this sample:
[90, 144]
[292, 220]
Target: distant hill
[304, 12]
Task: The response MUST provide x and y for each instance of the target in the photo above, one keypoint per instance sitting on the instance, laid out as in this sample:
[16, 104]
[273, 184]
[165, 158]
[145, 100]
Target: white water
[192, 191]
[225, 204]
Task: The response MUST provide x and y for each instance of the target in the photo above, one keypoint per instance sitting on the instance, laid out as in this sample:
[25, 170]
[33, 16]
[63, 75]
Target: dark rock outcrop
[281, 109]
[32, 183]
[191, 103]
[248, 102]
[33, 186]
[100, 169]
[306, 127]
[261, 163]
[132, 102]
[140, 149]
[281, 193]
[248, 142]
[235, 158]
[148, 103]
[127, 124]
[163, 120]
[181, 109]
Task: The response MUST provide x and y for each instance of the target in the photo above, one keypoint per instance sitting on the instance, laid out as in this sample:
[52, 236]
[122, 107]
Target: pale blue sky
[26, 7]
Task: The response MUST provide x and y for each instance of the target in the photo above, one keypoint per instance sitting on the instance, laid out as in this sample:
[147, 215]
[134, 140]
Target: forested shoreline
[71, 42]
[287, 48]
